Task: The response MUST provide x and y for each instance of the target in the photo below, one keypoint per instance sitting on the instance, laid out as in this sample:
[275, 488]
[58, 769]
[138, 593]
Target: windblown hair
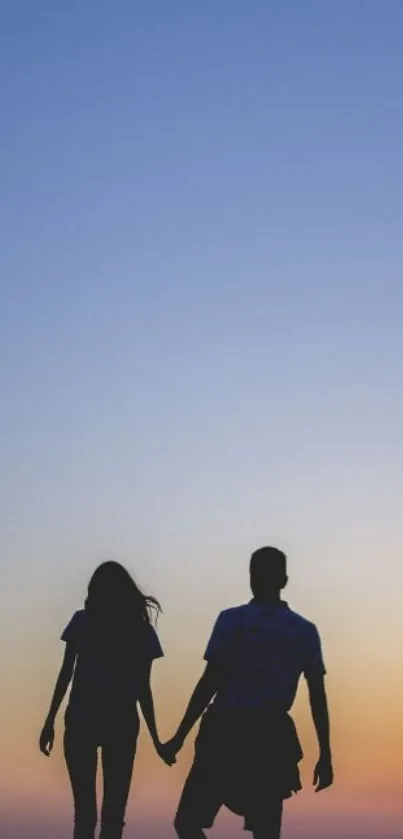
[116, 604]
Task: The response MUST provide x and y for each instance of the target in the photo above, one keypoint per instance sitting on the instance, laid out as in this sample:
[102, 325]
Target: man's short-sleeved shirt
[262, 650]
[107, 678]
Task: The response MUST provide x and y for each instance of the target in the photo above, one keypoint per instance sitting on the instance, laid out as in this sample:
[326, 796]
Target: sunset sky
[201, 337]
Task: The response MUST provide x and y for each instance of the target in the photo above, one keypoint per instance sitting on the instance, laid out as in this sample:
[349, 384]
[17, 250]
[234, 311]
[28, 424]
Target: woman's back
[112, 661]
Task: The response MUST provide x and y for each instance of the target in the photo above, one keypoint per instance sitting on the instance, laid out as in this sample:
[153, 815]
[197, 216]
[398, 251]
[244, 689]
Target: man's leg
[199, 802]
[186, 830]
[271, 824]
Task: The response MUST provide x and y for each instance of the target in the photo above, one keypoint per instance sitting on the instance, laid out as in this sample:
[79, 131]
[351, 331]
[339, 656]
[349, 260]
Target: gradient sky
[201, 340]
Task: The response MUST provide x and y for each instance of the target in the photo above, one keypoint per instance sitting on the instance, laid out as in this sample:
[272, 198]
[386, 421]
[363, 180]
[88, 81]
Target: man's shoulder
[236, 615]
[301, 622]
[232, 615]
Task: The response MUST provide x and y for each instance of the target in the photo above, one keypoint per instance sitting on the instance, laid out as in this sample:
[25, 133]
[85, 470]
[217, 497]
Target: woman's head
[112, 591]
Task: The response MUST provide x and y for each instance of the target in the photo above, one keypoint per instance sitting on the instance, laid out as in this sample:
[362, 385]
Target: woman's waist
[101, 704]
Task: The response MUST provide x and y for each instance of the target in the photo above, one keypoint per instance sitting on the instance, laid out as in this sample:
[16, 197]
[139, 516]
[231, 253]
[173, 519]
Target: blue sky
[201, 256]
[201, 267]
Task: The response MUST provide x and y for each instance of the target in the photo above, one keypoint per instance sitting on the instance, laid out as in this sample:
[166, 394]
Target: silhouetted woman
[110, 647]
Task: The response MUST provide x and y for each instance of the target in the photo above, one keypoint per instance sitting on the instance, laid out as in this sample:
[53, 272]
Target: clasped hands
[168, 751]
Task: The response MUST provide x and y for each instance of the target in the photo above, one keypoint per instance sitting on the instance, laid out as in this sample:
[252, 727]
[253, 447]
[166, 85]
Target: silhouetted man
[247, 750]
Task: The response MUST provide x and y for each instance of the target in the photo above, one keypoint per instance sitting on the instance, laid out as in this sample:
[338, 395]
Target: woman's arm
[146, 703]
[63, 680]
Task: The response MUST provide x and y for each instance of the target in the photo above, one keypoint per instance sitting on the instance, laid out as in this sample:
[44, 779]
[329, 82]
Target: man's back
[262, 649]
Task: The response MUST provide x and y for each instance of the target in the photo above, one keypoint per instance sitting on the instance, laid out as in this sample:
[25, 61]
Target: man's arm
[202, 695]
[323, 776]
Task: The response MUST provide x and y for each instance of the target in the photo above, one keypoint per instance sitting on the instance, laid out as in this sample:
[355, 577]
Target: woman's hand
[47, 738]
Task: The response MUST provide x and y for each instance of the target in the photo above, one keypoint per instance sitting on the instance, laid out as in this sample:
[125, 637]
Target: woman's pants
[118, 751]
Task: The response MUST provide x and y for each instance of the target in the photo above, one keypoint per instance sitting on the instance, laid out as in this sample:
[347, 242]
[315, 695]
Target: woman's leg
[118, 753]
[81, 759]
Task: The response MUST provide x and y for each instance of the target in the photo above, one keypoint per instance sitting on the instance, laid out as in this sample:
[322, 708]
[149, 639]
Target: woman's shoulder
[79, 618]
[74, 626]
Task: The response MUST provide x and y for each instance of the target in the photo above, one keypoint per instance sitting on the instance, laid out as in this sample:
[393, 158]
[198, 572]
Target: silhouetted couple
[247, 750]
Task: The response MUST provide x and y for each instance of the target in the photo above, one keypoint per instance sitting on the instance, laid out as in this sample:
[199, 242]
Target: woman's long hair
[115, 605]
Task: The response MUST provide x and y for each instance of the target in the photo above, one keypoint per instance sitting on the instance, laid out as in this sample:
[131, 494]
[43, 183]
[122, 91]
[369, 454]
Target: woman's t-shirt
[109, 670]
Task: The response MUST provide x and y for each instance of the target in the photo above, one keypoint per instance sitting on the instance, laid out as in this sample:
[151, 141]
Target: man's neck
[269, 597]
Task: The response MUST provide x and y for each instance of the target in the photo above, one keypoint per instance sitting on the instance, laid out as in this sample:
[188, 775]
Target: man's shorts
[244, 760]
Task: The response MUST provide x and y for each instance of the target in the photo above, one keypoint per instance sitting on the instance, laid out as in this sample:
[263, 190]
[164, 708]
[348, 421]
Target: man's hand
[323, 774]
[47, 738]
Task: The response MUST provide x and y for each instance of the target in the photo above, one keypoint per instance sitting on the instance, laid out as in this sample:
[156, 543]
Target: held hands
[168, 751]
[323, 774]
[165, 754]
[47, 738]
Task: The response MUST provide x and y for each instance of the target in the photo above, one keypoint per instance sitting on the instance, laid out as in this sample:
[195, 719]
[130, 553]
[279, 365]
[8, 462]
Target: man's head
[268, 572]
